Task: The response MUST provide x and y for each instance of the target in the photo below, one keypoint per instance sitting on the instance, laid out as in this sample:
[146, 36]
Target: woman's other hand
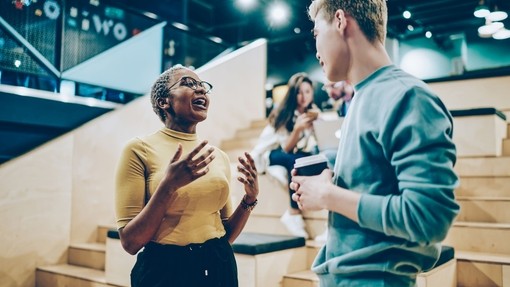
[249, 177]
[181, 172]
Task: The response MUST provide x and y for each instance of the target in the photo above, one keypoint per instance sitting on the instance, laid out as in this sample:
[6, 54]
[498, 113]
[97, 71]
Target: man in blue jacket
[391, 201]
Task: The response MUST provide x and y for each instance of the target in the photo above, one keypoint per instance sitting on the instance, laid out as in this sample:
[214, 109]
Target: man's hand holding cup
[310, 180]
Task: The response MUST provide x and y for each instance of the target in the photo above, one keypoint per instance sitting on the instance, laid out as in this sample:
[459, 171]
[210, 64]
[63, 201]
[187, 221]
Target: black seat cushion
[259, 243]
[113, 233]
[478, 112]
[252, 243]
[447, 254]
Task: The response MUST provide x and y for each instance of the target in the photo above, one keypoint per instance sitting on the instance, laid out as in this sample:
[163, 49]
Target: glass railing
[40, 40]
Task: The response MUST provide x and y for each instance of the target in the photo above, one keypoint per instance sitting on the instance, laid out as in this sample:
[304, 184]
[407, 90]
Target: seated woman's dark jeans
[279, 157]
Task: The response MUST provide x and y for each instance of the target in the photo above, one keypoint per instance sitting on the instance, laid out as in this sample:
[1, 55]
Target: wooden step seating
[69, 275]
[506, 142]
[479, 132]
[85, 266]
[506, 146]
[480, 237]
[118, 262]
[483, 193]
[481, 232]
[484, 209]
[263, 259]
[91, 255]
[482, 269]
[483, 167]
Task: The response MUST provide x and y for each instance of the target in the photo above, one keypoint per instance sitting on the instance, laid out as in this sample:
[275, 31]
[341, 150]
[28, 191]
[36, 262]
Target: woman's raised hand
[181, 172]
[249, 177]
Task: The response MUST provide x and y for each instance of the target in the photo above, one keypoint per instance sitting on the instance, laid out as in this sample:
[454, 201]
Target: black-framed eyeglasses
[193, 84]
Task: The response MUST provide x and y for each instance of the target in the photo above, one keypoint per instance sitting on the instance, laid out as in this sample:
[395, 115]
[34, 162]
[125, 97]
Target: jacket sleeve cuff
[370, 212]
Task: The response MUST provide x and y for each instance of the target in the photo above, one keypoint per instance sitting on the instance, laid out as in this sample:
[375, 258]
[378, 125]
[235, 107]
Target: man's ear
[340, 19]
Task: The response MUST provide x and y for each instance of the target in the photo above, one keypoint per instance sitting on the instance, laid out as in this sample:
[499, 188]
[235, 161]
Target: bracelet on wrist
[248, 206]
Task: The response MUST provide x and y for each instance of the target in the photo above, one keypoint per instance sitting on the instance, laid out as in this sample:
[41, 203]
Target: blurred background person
[341, 94]
[287, 137]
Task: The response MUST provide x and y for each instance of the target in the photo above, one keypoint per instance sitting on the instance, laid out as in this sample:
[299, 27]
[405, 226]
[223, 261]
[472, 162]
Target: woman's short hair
[160, 89]
[371, 15]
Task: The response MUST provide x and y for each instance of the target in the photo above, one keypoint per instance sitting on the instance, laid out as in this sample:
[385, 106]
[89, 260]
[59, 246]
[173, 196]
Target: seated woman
[288, 136]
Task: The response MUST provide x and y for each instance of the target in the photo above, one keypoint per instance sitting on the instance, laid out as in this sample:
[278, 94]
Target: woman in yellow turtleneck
[172, 193]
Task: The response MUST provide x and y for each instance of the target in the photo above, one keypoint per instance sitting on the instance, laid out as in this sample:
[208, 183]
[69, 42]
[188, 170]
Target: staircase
[85, 267]
[480, 234]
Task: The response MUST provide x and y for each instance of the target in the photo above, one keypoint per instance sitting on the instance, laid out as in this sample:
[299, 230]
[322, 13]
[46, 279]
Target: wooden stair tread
[482, 225]
[96, 246]
[314, 244]
[258, 123]
[483, 166]
[482, 198]
[304, 275]
[107, 226]
[502, 158]
[482, 257]
[76, 272]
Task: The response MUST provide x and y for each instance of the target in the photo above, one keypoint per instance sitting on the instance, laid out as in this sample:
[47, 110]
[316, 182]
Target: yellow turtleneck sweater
[195, 214]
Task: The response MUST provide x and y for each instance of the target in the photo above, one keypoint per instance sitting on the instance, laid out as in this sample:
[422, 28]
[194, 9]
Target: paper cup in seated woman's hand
[312, 114]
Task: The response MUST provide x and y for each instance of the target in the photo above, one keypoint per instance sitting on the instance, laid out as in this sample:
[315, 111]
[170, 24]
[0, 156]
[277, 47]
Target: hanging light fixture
[502, 34]
[489, 28]
[497, 15]
[482, 10]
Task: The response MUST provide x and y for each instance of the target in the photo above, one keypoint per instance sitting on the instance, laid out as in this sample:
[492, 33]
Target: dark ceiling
[441, 17]
[289, 46]
[224, 19]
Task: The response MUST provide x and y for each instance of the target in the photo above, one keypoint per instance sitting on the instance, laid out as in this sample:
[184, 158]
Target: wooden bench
[479, 132]
[443, 274]
[263, 259]
[118, 263]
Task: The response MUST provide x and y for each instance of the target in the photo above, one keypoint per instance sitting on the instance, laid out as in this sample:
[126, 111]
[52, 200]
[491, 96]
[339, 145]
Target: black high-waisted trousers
[210, 264]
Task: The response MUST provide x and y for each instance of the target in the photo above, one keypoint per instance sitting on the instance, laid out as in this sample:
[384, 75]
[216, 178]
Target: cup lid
[310, 160]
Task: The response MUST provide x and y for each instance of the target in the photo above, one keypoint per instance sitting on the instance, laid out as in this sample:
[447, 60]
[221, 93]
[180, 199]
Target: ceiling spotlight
[278, 13]
[428, 34]
[180, 26]
[246, 4]
[489, 29]
[297, 30]
[410, 27]
[482, 10]
[406, 14]
[502, 34]
[216, 39]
